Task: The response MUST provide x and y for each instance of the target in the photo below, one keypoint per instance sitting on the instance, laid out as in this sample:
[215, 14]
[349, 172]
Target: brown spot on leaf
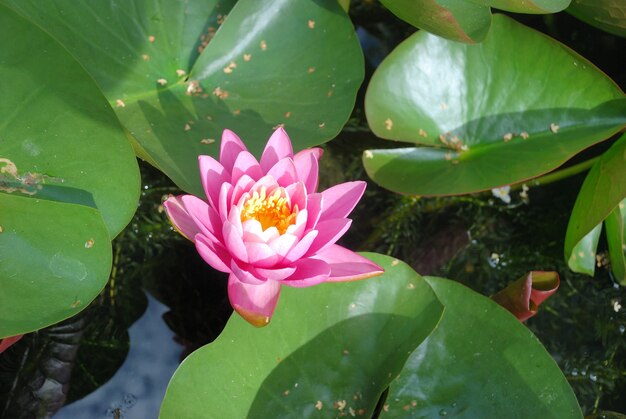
[311, 24]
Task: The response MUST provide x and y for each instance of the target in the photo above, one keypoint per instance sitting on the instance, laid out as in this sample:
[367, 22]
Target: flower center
[270, 210]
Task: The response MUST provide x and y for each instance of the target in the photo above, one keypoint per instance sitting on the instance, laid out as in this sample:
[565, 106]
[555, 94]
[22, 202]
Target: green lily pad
[463, 20]
[330, 349]
[479, 362]
[616, 236]
[56, 258]
[604, 188]
[459, 20]
[178, 73]
[608, 15]
[486, 115]
[69, 181]
[59, 139]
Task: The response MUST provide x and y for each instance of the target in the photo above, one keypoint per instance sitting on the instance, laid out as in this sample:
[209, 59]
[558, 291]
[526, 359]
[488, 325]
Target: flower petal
[307, 167]
[205, 217]
[243, 185]
[230, 148]
[213, 253]
[284, 172]
[261, 254]
[233, 242]
[246, 164]
[341, 199]
[301, 247]
[277, 274]
[255, 303]
[345, 265]
[180, 218]
[224, 200]
[282, 244]
[297, 195]
[212, 174]
[278, 147]
[329, 232]
[245, 273]
[308, 272]
[314, 207]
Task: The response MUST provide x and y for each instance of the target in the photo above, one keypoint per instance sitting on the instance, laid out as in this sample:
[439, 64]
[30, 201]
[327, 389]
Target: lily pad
[604, 188]
[330, 349]
[59, 139]
[179, 72]
[56, 258]
[69, 181]
[481, 116]
[479, 362]
[608, 15]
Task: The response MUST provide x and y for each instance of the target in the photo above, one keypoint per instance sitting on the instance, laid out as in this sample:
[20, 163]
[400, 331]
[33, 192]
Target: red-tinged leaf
[523, 297]
[6, 342]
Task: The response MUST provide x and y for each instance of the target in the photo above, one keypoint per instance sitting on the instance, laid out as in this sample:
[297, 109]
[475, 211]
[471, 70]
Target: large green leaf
[459, 20]
[330, 350]
[608, 15]
[604, 188]
[59, 139]
[480, 362]
[296, 63]
[56, 258]
[616, 236]
[511, 108]
[463, 20]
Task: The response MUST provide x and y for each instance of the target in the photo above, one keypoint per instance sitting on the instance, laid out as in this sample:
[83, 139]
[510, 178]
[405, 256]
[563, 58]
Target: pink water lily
[266, 225]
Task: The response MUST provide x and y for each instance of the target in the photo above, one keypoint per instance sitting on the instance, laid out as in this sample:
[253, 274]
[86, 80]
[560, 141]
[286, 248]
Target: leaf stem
[559, 174]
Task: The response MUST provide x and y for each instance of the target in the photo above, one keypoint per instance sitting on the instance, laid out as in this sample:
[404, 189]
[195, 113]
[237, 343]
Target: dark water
[138, 387]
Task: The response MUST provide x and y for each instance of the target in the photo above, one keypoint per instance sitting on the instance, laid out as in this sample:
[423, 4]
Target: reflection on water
[138, 387]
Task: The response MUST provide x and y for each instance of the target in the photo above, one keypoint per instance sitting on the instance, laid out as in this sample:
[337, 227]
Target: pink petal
[307, 167]
[261, 254]
[243, 185]
[234, 242]
[308, 272]
[298, 228]
[345, 265]
[284, 172]
[341, 199]
[225, 200]
[329, 231]
[204, 216]
[246, 273]
[277, 274]
[180, 218]
[255, 303]
[301, 247]
[246, 164]
[297, 195]
[230, 148]
[314, 208]
[212, 174]
[278, 147]
[283, 244]
[8, 341]
[213, 253]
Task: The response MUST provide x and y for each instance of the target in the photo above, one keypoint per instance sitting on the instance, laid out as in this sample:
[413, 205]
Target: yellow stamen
[271, 211]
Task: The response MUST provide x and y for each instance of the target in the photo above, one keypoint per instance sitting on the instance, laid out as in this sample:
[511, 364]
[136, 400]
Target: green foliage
[603, 189]
[68, 181]
[608, 15]
[476, 124]
[178, 73]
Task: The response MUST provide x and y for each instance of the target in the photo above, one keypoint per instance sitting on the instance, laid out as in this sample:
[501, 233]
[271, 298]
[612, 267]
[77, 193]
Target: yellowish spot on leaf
[287, 114]
[187, 127]
[207, 141]
[311, 70]
[180, 72]
[422, 133]
[162, 82]
[388, 124]
[151, 38]
[319, 405]
[508, 137]
[145, 57]
[247, 57]
[524, 135]
[263, 45]
[554, 128]
[311, 24]
[89, 244]
[368, 154]
[120, 103]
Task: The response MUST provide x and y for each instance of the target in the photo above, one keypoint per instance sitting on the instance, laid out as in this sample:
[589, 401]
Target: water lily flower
[265, 224]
